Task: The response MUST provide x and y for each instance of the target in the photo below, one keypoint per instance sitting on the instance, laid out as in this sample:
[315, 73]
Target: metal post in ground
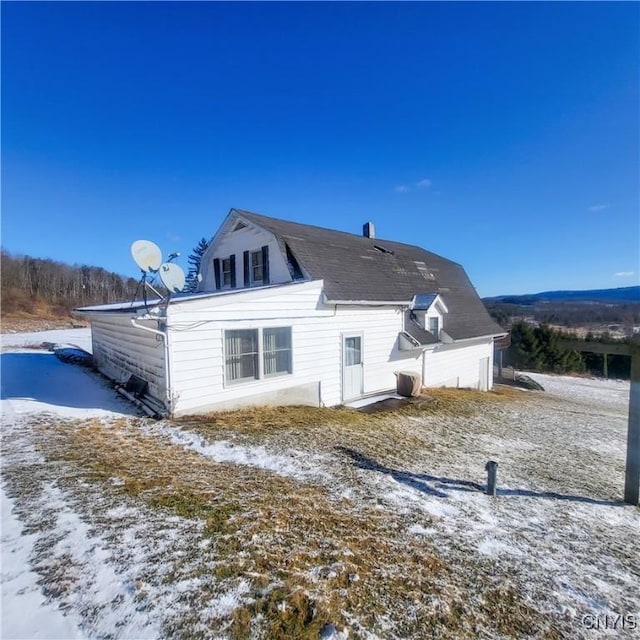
[492, 472]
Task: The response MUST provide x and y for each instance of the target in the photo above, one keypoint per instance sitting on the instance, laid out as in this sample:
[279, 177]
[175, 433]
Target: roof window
[423, 301]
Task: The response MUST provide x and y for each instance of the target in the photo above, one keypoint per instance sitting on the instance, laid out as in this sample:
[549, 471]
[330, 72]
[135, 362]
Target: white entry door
[484, 374]
[352, 367]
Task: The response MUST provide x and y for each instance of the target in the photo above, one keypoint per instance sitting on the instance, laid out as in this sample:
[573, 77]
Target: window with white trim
[434, 326]
[276, 345]
[226, 272]
[257, 267]
[241, 354]
[253, 354]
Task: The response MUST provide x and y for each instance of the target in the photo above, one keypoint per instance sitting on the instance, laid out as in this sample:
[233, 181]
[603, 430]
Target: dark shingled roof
[356, 268]
[417, 332]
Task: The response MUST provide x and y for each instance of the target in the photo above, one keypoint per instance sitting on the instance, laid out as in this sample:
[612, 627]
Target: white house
[288, 313]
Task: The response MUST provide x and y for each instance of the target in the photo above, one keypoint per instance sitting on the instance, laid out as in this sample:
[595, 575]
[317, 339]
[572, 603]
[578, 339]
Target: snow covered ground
[80, 338]
[82, 560]
[292, 463]
[35, 383]
[20, 590]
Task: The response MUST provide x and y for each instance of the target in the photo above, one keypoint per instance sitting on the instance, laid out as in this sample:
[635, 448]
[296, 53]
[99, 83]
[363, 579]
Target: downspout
[167, 368]
[424, 367]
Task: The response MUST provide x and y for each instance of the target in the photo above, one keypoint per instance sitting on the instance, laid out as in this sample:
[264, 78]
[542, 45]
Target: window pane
[283, 361]
[258, 274]
[256, 266]
[352, 353]
[226, 271]
[278, 338]
[433, 326]
[241, 351]
[276, 344]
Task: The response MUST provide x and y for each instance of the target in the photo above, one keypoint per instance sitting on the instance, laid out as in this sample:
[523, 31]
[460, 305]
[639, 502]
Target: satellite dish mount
[148, 257]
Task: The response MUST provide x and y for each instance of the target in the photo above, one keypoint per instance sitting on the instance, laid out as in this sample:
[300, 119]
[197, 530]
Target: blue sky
[504, 136]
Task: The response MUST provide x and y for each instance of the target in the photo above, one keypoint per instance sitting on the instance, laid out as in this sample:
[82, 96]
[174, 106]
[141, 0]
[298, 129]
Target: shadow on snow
[41, 377]
[438, 485]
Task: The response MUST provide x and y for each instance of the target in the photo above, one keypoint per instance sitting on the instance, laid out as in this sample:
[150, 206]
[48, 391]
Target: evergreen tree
[538, 349]
[194, 265]
[524, 352]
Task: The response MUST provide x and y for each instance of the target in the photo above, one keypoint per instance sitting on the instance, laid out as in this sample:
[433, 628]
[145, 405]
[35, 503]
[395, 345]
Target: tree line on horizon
[28, 284]
[566, 313]
[40, 285]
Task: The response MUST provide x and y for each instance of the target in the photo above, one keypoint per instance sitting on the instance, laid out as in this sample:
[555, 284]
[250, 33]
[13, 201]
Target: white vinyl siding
[250, 239]
[315, 358]
[120, 350]
[459, 365]
[198, 354]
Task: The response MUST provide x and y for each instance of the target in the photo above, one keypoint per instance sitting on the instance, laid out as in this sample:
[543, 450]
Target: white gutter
[167, 368]
[489, 335]
[370, 303]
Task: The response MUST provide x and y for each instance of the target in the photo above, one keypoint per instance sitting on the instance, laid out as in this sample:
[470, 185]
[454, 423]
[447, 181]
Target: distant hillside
[597, 310]
[611, 296]
[34, 289]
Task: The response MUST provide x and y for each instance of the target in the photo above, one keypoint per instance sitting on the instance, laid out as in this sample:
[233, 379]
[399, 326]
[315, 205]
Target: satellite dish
[147, 255]
[172, 277]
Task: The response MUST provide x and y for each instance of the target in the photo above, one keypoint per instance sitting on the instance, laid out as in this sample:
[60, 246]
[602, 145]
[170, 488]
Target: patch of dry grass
[398, 438]
[266, 420]
[273, 419]
[312, 558]
[467, 402]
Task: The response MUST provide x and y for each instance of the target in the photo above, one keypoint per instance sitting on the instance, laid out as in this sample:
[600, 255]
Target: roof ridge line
[327, 229]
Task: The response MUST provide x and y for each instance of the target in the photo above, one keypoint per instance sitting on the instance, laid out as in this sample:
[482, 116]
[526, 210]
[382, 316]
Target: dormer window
[257, 267]
[226, 272]
[428, 311]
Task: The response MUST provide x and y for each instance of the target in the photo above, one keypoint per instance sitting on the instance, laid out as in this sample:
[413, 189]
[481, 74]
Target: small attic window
[239, 225]
[377, 247]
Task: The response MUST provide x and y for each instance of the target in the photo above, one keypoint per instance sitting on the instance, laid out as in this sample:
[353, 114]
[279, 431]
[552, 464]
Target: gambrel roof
[357, 268]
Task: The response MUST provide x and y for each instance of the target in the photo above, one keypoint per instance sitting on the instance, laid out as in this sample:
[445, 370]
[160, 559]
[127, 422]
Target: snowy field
[116, 526]
[72, 337]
